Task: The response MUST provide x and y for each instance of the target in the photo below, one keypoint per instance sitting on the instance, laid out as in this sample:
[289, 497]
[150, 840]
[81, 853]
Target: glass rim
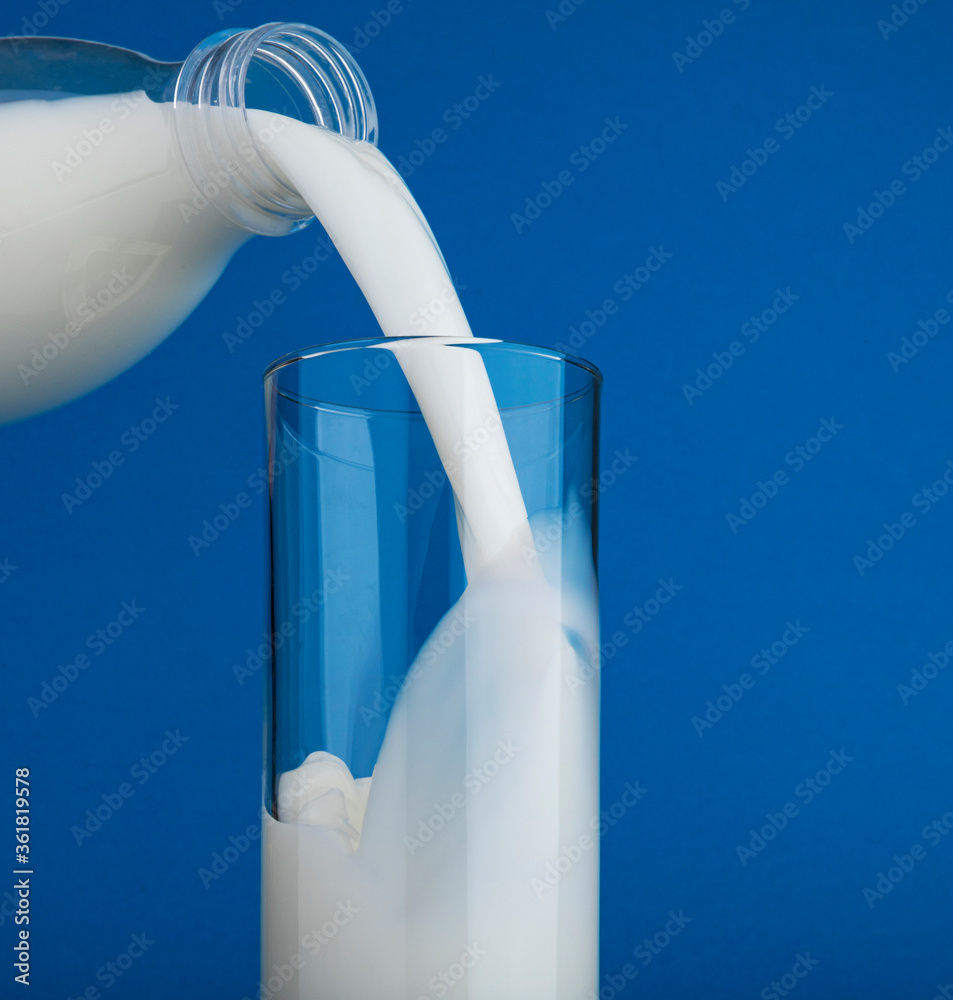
[363, 343]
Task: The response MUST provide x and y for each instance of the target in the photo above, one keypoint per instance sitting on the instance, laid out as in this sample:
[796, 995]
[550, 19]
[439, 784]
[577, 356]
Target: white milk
[102, 254]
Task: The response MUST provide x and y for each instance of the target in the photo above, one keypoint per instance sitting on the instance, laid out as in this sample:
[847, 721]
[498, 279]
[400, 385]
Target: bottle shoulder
[49, 68]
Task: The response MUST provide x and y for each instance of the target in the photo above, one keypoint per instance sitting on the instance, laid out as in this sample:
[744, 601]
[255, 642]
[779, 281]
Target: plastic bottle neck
[288, 69]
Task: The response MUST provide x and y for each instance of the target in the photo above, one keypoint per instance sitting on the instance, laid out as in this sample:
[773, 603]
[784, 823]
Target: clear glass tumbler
[431, 741]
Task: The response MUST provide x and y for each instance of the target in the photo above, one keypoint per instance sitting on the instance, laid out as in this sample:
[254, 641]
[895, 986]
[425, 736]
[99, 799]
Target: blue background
[665, 517]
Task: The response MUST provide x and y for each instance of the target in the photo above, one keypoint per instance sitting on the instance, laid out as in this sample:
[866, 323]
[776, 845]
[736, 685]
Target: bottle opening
[291, 70]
